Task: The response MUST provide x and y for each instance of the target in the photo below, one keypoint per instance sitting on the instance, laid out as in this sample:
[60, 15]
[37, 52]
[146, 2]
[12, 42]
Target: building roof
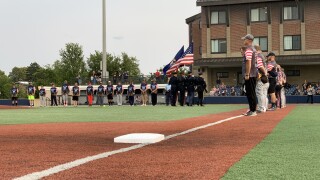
[282, 60]
[193, 18]
[229, 2]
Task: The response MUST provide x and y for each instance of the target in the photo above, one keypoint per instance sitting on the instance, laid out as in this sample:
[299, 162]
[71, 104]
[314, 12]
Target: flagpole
[105, 74]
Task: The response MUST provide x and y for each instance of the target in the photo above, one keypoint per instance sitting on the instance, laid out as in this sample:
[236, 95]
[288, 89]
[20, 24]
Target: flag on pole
[186, 60]
[177, 57]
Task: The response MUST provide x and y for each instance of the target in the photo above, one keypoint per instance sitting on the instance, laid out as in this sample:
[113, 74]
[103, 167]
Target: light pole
[105, 73]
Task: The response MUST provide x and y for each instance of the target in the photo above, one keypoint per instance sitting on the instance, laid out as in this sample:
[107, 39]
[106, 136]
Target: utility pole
[105, 74]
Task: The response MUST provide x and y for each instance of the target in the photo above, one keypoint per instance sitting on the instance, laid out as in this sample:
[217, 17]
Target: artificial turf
[108, 114]
[291, 151]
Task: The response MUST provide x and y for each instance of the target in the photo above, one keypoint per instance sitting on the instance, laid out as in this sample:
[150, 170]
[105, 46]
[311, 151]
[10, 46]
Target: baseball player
[144, 93]
[42, 95]
[110, 93]
[100, 94]
[75, 94]
[262, 81]
[154, 92]
[54, 93]
[31, 91]
[89, 93]
[119, 92]
[272, 76]
[131, 93]
[65, 93]
[14, 95]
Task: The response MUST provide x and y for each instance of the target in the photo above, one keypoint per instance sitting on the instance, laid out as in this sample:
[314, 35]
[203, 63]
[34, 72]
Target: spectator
[233, 92]
[310, 93]
[223, 89]
[157, 74]
[126, 77]
[304, 87]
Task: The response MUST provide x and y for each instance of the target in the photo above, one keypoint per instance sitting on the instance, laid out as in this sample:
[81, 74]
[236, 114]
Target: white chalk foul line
[70, 165]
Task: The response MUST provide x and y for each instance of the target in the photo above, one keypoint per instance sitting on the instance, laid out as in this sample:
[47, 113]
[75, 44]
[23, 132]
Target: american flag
[186, 60]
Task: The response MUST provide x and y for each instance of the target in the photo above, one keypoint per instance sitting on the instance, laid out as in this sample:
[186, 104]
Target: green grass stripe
[291, 151]
[108, 114]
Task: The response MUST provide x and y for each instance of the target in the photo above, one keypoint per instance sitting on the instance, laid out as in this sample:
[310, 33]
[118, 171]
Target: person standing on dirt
[249, 72]
[272, 76]
[42, 95]
[65, 93]
[75, 94]
[89, 93]
[14, 95]
[31, 92]
[54, 93]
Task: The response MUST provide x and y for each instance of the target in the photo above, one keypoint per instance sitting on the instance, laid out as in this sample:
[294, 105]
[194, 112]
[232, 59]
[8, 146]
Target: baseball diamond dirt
[204, 154]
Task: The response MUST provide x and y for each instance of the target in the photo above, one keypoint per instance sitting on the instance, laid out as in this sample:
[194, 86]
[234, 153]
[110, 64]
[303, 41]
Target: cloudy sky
[35, 30]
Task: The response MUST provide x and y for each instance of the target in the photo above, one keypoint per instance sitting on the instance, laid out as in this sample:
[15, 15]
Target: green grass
[108, 114]
[292, 151]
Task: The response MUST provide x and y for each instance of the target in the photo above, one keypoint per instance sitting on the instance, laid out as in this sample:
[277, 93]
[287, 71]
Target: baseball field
[211, 142]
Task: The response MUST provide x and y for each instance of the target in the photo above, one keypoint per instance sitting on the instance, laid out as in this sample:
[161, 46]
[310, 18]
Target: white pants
[65, 98]
[283, 97]
[119, 99]
[262, 95]
[42, 101]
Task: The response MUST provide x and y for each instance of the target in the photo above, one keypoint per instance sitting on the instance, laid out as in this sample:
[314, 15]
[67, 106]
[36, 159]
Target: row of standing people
[179, 86]
[263, 77]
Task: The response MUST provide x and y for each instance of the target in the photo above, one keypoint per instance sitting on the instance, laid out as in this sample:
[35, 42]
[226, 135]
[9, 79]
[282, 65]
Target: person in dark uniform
[201, 87]
[75, 94]
[168, 93]
[54, 92]
[154, 92]
[190, 89]
[174, 88]
[144, 92]
[182, 88]
[131, 93]
[110, 93]
[100, 94]
[14, 95]
[89, 92]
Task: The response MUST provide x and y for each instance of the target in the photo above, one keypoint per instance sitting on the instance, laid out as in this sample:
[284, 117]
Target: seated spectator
[223, 89]
[233, 92]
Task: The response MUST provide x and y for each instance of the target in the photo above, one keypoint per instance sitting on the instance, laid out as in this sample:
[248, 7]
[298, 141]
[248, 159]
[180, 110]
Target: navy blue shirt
[90, 90]
[42, 92]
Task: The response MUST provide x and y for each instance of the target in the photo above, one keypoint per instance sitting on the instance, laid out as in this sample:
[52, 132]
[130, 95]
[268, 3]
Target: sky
[35, 30]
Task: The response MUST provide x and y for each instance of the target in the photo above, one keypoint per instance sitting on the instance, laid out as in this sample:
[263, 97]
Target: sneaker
[250, 113]
[246, 113]
[272, 109]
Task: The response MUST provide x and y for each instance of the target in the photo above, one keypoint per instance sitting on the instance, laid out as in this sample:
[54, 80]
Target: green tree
[94, 61]
[130, 64]
[71, 64]
[31, 70]
[18, 74]
[5, 86]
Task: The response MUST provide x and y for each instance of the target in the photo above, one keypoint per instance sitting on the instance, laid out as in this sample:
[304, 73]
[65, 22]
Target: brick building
[289, 28]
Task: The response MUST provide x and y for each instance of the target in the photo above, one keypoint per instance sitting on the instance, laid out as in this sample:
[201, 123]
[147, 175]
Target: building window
[262, 42]
[222, 74]
[293, 73]
[218, 17]
[292, 43]
[219, 46]
[290, 13]
[259, 14]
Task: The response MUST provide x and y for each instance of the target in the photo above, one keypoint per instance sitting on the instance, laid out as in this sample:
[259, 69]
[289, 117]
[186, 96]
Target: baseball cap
[248, 36]
[271, 54]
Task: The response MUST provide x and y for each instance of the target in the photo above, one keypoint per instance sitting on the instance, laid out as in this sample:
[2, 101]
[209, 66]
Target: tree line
[71, 66]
